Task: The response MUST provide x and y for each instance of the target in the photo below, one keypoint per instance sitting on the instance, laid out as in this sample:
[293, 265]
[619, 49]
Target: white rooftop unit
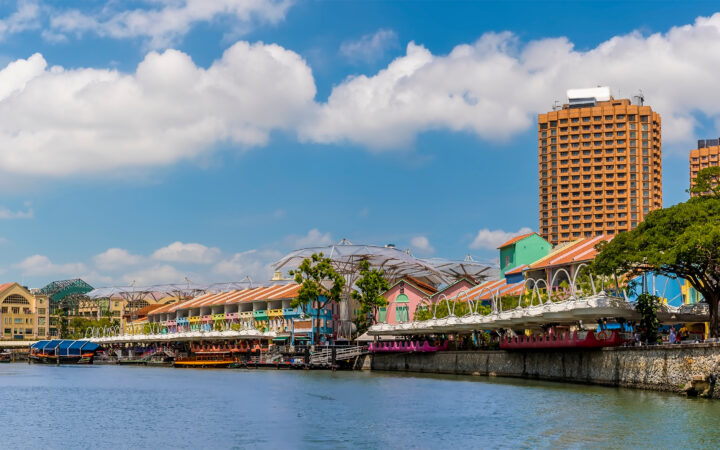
[588, 96]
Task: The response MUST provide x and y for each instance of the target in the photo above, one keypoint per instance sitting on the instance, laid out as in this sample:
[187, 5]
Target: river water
[139, 407]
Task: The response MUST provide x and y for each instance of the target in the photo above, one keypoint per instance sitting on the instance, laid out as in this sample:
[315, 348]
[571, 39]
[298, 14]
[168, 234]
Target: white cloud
[495, 87]
[115, 258]
[27, 16]
[490, 239]
[370, 47]
[41, 265]
[55, 121]
[193, 253]
[253, 263]
[158, 274]
[165, 22]
[9, 214]
[422, 245]
[313, 238]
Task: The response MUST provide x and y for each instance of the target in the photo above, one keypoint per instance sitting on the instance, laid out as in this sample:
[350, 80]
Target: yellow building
[600, 169]
[24, 315]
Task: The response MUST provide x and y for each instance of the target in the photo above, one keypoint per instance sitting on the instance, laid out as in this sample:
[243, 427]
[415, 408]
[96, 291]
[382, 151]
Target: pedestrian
[672, 335]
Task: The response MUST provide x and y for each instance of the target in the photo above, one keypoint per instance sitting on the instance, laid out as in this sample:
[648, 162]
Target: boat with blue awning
[63, 351]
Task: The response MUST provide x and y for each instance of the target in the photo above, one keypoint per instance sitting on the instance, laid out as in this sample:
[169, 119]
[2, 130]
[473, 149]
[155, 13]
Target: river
[139, 407]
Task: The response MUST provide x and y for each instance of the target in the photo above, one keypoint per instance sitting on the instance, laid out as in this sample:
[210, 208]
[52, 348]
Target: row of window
[598, 131]
[607, 117]
[21, 331]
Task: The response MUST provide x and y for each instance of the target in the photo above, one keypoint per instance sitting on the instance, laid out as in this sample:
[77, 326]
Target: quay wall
[663, 367]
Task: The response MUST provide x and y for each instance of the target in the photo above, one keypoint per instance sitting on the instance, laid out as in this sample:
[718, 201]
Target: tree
[320, 285]
[372, 285]
[707, 182]
[647, 306]
[682, 240]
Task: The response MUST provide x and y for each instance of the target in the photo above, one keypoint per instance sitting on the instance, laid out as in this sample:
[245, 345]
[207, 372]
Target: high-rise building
[706, 155]
[599, 164]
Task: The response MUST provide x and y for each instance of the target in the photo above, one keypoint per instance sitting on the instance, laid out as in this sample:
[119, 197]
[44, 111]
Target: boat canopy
[65, 347]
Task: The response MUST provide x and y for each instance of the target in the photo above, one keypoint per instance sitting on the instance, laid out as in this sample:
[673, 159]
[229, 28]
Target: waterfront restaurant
[263, 308]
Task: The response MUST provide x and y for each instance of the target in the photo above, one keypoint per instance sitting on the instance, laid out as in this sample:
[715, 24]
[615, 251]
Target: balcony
[218, 317]
[272, 313]
[206, 318]
[232, 316]
[194, 319]
[260, 314]
[291, 312]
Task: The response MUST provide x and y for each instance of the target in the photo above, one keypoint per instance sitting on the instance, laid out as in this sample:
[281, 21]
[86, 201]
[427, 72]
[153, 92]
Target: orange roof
[517, 238]
[575, 252]
[5, 286]
[274, 292]
[517, 269]
[497, 287]
[428, 289]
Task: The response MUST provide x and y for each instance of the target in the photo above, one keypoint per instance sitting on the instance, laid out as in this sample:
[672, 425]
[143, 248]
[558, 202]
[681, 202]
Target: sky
[159, 141]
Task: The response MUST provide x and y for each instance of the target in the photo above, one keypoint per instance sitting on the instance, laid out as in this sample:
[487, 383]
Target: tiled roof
[516, 238]
[274, 292]
[517, 269]
[428, 289]
[497, 287]
[5, 286]
[575, 252]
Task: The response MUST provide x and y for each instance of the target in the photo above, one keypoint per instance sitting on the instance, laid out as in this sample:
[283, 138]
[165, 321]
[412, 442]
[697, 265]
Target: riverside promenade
[672, 368]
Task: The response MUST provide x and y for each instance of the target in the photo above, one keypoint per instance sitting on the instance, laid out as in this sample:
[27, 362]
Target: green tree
[707, 182]
[647, 306]
[682, 240]
[320, 285]
[372, 285]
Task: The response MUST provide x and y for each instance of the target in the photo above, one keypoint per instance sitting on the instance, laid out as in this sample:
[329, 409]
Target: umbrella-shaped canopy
[346, 258]
[467, 268]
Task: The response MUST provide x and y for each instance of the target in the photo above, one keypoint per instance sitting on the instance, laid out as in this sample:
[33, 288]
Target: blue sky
[150, 141]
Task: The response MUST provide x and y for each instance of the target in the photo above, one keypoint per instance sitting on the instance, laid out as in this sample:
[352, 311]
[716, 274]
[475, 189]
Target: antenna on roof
[469, 257]
[344, 241]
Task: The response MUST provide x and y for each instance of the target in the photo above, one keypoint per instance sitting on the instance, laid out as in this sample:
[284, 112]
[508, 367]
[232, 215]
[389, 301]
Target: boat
[221, 359]
[63, 351]
[5, 357]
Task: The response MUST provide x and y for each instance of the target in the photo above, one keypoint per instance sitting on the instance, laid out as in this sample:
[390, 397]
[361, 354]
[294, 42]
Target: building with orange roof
[265, 308]
[522, 249]
[565, 260]
[599, 164]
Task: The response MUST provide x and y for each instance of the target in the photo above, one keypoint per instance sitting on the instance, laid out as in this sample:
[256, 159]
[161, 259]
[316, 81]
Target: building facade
[706, 155]
[522, 249]
[600, 169]
[24, 316]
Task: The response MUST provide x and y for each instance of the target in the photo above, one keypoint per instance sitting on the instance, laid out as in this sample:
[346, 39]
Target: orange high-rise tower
[599, 164]
[706, 155]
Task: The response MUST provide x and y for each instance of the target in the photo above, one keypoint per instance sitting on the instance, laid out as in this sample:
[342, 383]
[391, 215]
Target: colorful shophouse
[264, 308]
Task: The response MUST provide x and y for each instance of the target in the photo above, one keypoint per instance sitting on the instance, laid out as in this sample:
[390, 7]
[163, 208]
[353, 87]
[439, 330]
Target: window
[28, 331]
[16, 299]
[401, 313]
[383, 314]
[8, 331]
[41, 310]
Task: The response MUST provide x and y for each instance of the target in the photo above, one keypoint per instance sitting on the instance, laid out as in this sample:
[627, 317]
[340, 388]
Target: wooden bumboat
[207, 360]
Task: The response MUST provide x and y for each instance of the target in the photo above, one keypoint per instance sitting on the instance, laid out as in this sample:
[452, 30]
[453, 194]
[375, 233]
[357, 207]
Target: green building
[523, 249]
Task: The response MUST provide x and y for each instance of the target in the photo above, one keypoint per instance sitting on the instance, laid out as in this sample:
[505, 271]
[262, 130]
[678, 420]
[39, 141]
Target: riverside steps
[691, 368]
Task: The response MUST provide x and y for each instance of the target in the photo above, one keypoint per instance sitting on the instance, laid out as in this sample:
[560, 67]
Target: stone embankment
[675, 368]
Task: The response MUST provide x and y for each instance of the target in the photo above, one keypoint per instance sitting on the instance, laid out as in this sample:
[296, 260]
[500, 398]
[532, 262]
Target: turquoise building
[520, 250]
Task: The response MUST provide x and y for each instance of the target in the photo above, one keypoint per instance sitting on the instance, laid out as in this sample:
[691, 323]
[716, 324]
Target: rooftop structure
[600, 169]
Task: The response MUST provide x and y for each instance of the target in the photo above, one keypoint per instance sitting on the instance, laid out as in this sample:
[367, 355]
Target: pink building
[403, 299]
[463, 284]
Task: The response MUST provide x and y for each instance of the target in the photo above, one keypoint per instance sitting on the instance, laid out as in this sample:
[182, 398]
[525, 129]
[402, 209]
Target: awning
[281, 338]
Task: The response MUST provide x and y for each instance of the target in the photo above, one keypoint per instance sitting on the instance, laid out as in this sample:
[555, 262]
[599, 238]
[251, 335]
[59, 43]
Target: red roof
[516, 238]
[576, 252]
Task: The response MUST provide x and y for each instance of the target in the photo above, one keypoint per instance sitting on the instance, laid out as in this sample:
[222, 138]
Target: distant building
[600, 168]
[24, 316]
[706, 155]
[522, 249]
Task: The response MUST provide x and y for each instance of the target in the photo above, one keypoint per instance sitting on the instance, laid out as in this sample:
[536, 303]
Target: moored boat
[63, 351]
[207, 360]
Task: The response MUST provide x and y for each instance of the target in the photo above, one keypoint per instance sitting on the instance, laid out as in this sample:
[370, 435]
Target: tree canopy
[320, 285]
[372, 285]
[707, 182]
[682, 240]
